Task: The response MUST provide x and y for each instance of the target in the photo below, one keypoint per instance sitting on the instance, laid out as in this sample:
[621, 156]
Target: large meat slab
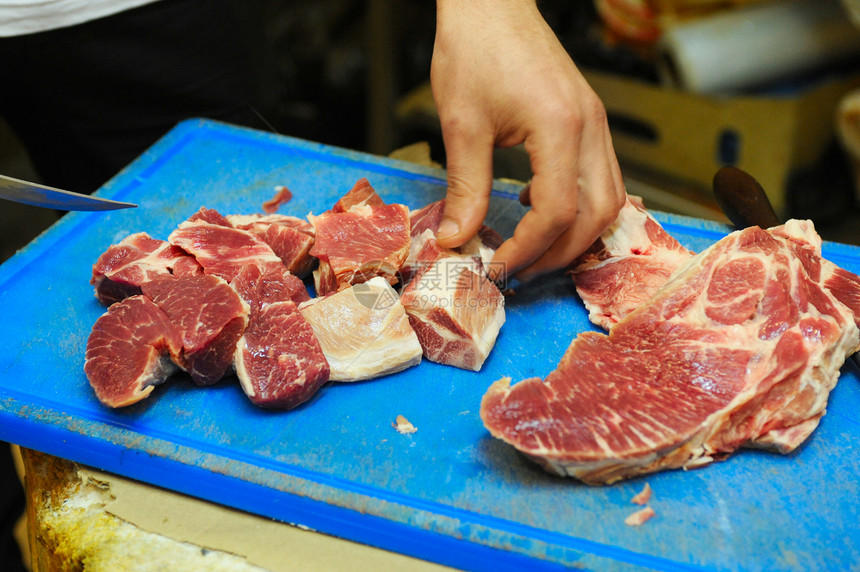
[741, 348]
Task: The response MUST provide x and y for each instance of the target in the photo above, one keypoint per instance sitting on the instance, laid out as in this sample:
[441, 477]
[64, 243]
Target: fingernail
[447, 228]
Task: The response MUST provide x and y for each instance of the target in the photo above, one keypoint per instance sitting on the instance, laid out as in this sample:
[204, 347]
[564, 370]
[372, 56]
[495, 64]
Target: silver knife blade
[43, 196]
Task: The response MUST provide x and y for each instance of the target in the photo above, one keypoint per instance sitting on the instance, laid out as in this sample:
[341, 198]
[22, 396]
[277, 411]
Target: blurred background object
[770, 42]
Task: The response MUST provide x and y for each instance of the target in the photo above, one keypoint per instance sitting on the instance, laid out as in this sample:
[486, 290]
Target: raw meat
[424, 251]
[271, 284]
[364, 331]
[740, 348]
[129, 351]
[279, 361]
[403, 426]
[123, 267]
[210, 317]
[361, 194]
[282, 197]
[221, 249]
[643, 496]
[631, 260]
[359, 239]
[640, 517]
[455, 310]
[290, 238]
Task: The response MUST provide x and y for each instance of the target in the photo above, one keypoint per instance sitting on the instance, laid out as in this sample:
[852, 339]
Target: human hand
[500, 77]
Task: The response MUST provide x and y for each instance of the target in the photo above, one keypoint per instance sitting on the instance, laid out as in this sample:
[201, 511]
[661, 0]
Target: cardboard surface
[449, 492]
[262, 542]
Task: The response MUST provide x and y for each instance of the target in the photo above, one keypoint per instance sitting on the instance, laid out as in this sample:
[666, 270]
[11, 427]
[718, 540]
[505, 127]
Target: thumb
[470, 180]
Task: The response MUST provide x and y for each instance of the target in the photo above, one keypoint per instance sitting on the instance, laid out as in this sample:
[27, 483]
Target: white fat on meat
[363, 331]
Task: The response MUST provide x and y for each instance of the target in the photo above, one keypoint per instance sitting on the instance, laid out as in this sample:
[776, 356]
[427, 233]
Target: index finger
[539, 228]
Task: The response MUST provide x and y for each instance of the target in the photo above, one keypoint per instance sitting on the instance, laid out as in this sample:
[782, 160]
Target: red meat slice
[631, 260]
[138, 258]
[290, 238]
[361, 194]
[219, 248]
[210, 317]
[741, 347]
[366, 240]
[279, 361]
[129, 351]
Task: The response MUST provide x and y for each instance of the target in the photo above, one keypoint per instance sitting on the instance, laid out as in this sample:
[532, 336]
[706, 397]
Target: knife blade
[37, 195]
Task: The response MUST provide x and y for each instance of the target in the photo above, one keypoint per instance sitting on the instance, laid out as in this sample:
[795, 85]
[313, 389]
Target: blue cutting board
[449, 492]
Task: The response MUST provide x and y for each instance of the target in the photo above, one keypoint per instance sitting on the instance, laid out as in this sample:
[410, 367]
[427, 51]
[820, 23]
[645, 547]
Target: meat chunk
[221, 249]
[424, 250]
[632, 259]
[279, 361]
[455, 310]
[129, 351]
[359, 239]
[258, 286]
[210, 317]
[362, 194]
[380, 340]
[123, 267]
[741, 347]
[290, 238]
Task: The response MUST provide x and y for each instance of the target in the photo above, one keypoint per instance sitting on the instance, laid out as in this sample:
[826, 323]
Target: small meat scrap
[643, 496]
[640, 517]
[282, 197]
[358, 239]
[403, 425]
[138, 258]
[380, 340]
